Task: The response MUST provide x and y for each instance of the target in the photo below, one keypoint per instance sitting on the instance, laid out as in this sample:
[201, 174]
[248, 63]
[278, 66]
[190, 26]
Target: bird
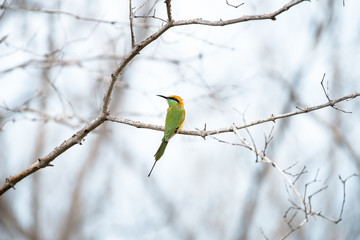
[173, 124]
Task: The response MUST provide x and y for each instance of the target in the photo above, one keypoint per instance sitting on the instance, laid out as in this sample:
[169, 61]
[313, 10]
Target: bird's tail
[152, 169]
[158, 154]
[161, 150]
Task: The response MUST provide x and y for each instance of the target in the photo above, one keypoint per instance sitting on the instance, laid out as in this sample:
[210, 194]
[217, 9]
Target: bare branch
[131, 20]
[44, 117]
[263, 234]
[152, 16]
[294, 229]
[227, 142]
[303, 171]
[265, 159]
[326, 92]
[308, 211]
[205, 133]
[199, 21]
[168, 10]
[234, 6]
[311, 182]
[78, 137]
[141, 6]
[344, 194]
[104, 116]
[271, 16]
[41, 10]
[327, 87]
[45, 161]
[307, 207]
[252, 140]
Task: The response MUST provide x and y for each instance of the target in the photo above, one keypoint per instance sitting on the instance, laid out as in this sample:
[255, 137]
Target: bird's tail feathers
[161, 150]
[152, 169]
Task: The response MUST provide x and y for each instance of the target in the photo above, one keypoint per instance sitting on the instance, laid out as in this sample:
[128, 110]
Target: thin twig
[271, 16]
[268, 160]
[294, 229]
[303, 171]
[141, 6]
[326, 92]
[344, 194]
[322, 85]
[152, 16]
[308, 210]
[307, 206]
[251, 138]
[232, 5]
[131, 20]
[48, 11]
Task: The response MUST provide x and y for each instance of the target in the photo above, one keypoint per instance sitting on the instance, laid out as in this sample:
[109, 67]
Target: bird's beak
[162, 96]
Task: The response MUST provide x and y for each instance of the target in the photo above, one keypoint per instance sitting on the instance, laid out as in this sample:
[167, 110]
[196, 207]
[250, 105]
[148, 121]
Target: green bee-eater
[174, 122]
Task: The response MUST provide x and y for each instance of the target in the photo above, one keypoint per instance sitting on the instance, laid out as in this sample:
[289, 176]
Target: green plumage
[161, 150]
[174, 120]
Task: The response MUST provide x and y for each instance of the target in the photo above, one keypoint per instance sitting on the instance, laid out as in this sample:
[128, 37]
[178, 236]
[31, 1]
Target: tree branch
[42, 10]
[77, 138]
[305, 199]
[104, 113]
[131, 20]
[267, 160]
[205, 133]
[168, 10]
[245, 18]
[232, 5]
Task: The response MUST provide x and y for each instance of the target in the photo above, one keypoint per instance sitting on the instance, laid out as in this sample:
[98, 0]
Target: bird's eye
[172, 98]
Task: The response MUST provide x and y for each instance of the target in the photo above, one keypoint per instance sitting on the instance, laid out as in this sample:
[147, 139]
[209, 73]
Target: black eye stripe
[172, 98]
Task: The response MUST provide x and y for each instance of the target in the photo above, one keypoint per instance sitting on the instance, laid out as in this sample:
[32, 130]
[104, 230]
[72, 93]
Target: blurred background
[56, 58]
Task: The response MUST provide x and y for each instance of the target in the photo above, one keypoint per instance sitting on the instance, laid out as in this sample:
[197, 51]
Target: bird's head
[173, 100]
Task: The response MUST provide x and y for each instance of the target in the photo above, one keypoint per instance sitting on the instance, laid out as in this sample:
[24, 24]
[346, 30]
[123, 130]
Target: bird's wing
[174, 118]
